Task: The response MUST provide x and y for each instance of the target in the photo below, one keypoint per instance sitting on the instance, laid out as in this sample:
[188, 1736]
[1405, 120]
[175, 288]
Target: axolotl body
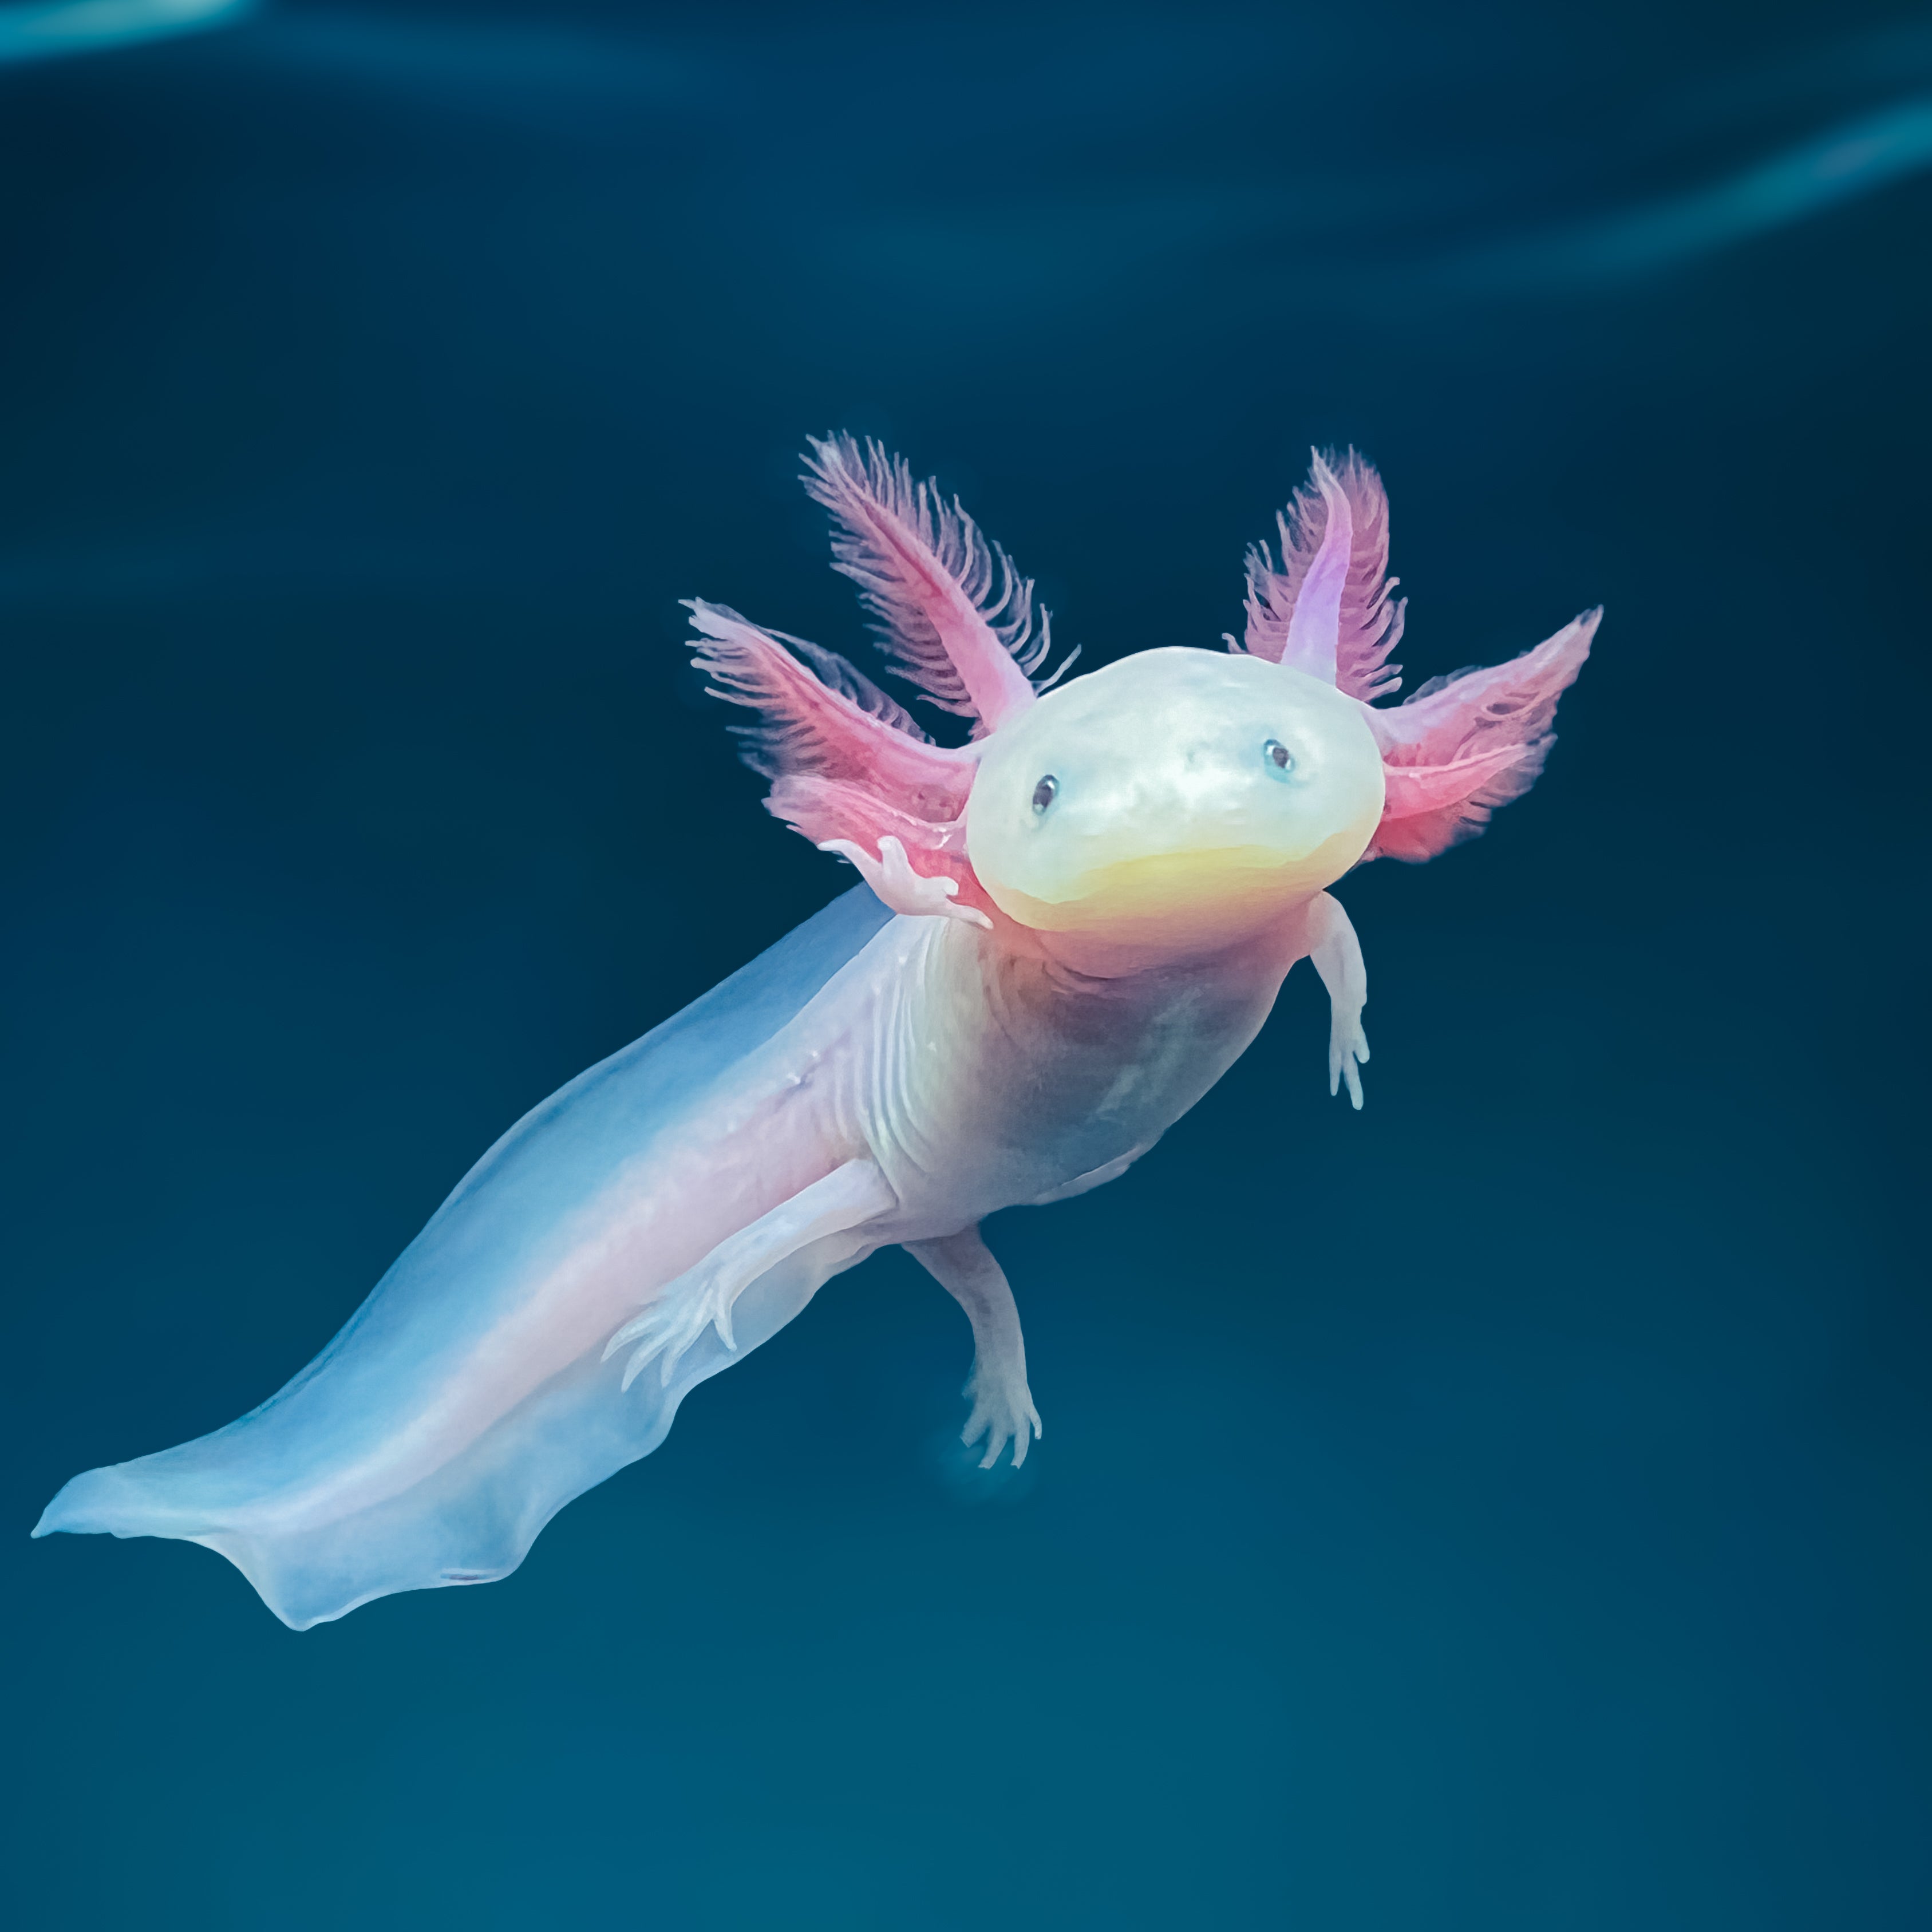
[1070, 927]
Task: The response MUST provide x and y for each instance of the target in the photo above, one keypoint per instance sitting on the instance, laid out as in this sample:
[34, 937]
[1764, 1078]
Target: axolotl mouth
[1176, 786]
[1236, 879]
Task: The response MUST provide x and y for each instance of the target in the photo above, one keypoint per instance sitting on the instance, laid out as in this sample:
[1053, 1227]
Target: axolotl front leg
[1337, 954]
[896, 883]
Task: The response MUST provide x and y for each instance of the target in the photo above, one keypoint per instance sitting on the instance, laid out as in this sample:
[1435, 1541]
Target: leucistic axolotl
[1070, 927]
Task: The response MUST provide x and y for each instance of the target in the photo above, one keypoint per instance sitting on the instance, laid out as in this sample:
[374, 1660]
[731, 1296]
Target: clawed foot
[1002, 1412]
[1347, 1046]
[899, 888]
[668, 1330]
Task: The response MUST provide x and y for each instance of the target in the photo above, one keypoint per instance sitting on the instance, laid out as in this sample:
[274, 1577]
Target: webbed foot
[1002, 1412]
[892, 878]
[666, 1330]
[1348, 1046]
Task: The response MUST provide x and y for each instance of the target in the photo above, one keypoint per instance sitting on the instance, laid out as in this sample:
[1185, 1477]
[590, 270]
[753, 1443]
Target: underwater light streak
[1857, 158]
[48, 31]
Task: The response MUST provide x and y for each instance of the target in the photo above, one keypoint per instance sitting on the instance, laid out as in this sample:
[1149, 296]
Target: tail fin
[434, 1438]
[473, 1520]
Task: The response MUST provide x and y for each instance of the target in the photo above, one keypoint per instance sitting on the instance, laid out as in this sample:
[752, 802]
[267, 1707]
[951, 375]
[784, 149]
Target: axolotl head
[1178, 801]
[1176, 797]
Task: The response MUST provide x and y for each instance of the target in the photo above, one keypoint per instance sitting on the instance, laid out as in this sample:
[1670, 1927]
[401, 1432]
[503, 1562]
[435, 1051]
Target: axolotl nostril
[1070, 927]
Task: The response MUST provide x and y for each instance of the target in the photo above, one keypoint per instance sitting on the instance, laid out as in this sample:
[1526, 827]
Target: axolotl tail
[472, 1520]
[381, 1467]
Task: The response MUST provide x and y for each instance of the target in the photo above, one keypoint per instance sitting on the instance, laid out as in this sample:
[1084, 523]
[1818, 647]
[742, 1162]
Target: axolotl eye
[1044, 793]
[1280, 757]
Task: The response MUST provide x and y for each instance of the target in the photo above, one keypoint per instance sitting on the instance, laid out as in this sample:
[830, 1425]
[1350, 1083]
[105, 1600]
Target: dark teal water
[1504, 1510]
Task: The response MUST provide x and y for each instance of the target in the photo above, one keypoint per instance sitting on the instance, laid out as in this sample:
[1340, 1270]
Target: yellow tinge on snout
[1176, 791]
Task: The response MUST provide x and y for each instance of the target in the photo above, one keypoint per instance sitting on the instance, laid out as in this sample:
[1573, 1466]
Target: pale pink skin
[659, 1217]
[851, 773]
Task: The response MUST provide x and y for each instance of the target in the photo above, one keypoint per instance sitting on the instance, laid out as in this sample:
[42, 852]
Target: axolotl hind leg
[1003, 1410]
[839, 1204]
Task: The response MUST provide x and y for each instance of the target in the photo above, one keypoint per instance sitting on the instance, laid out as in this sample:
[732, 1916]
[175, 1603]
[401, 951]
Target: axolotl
[1069, 927]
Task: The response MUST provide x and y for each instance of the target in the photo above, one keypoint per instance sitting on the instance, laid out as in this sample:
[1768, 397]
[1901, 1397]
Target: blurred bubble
[956, 1469]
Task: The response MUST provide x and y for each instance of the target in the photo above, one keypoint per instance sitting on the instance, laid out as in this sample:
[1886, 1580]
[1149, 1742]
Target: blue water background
[1507, 1509]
